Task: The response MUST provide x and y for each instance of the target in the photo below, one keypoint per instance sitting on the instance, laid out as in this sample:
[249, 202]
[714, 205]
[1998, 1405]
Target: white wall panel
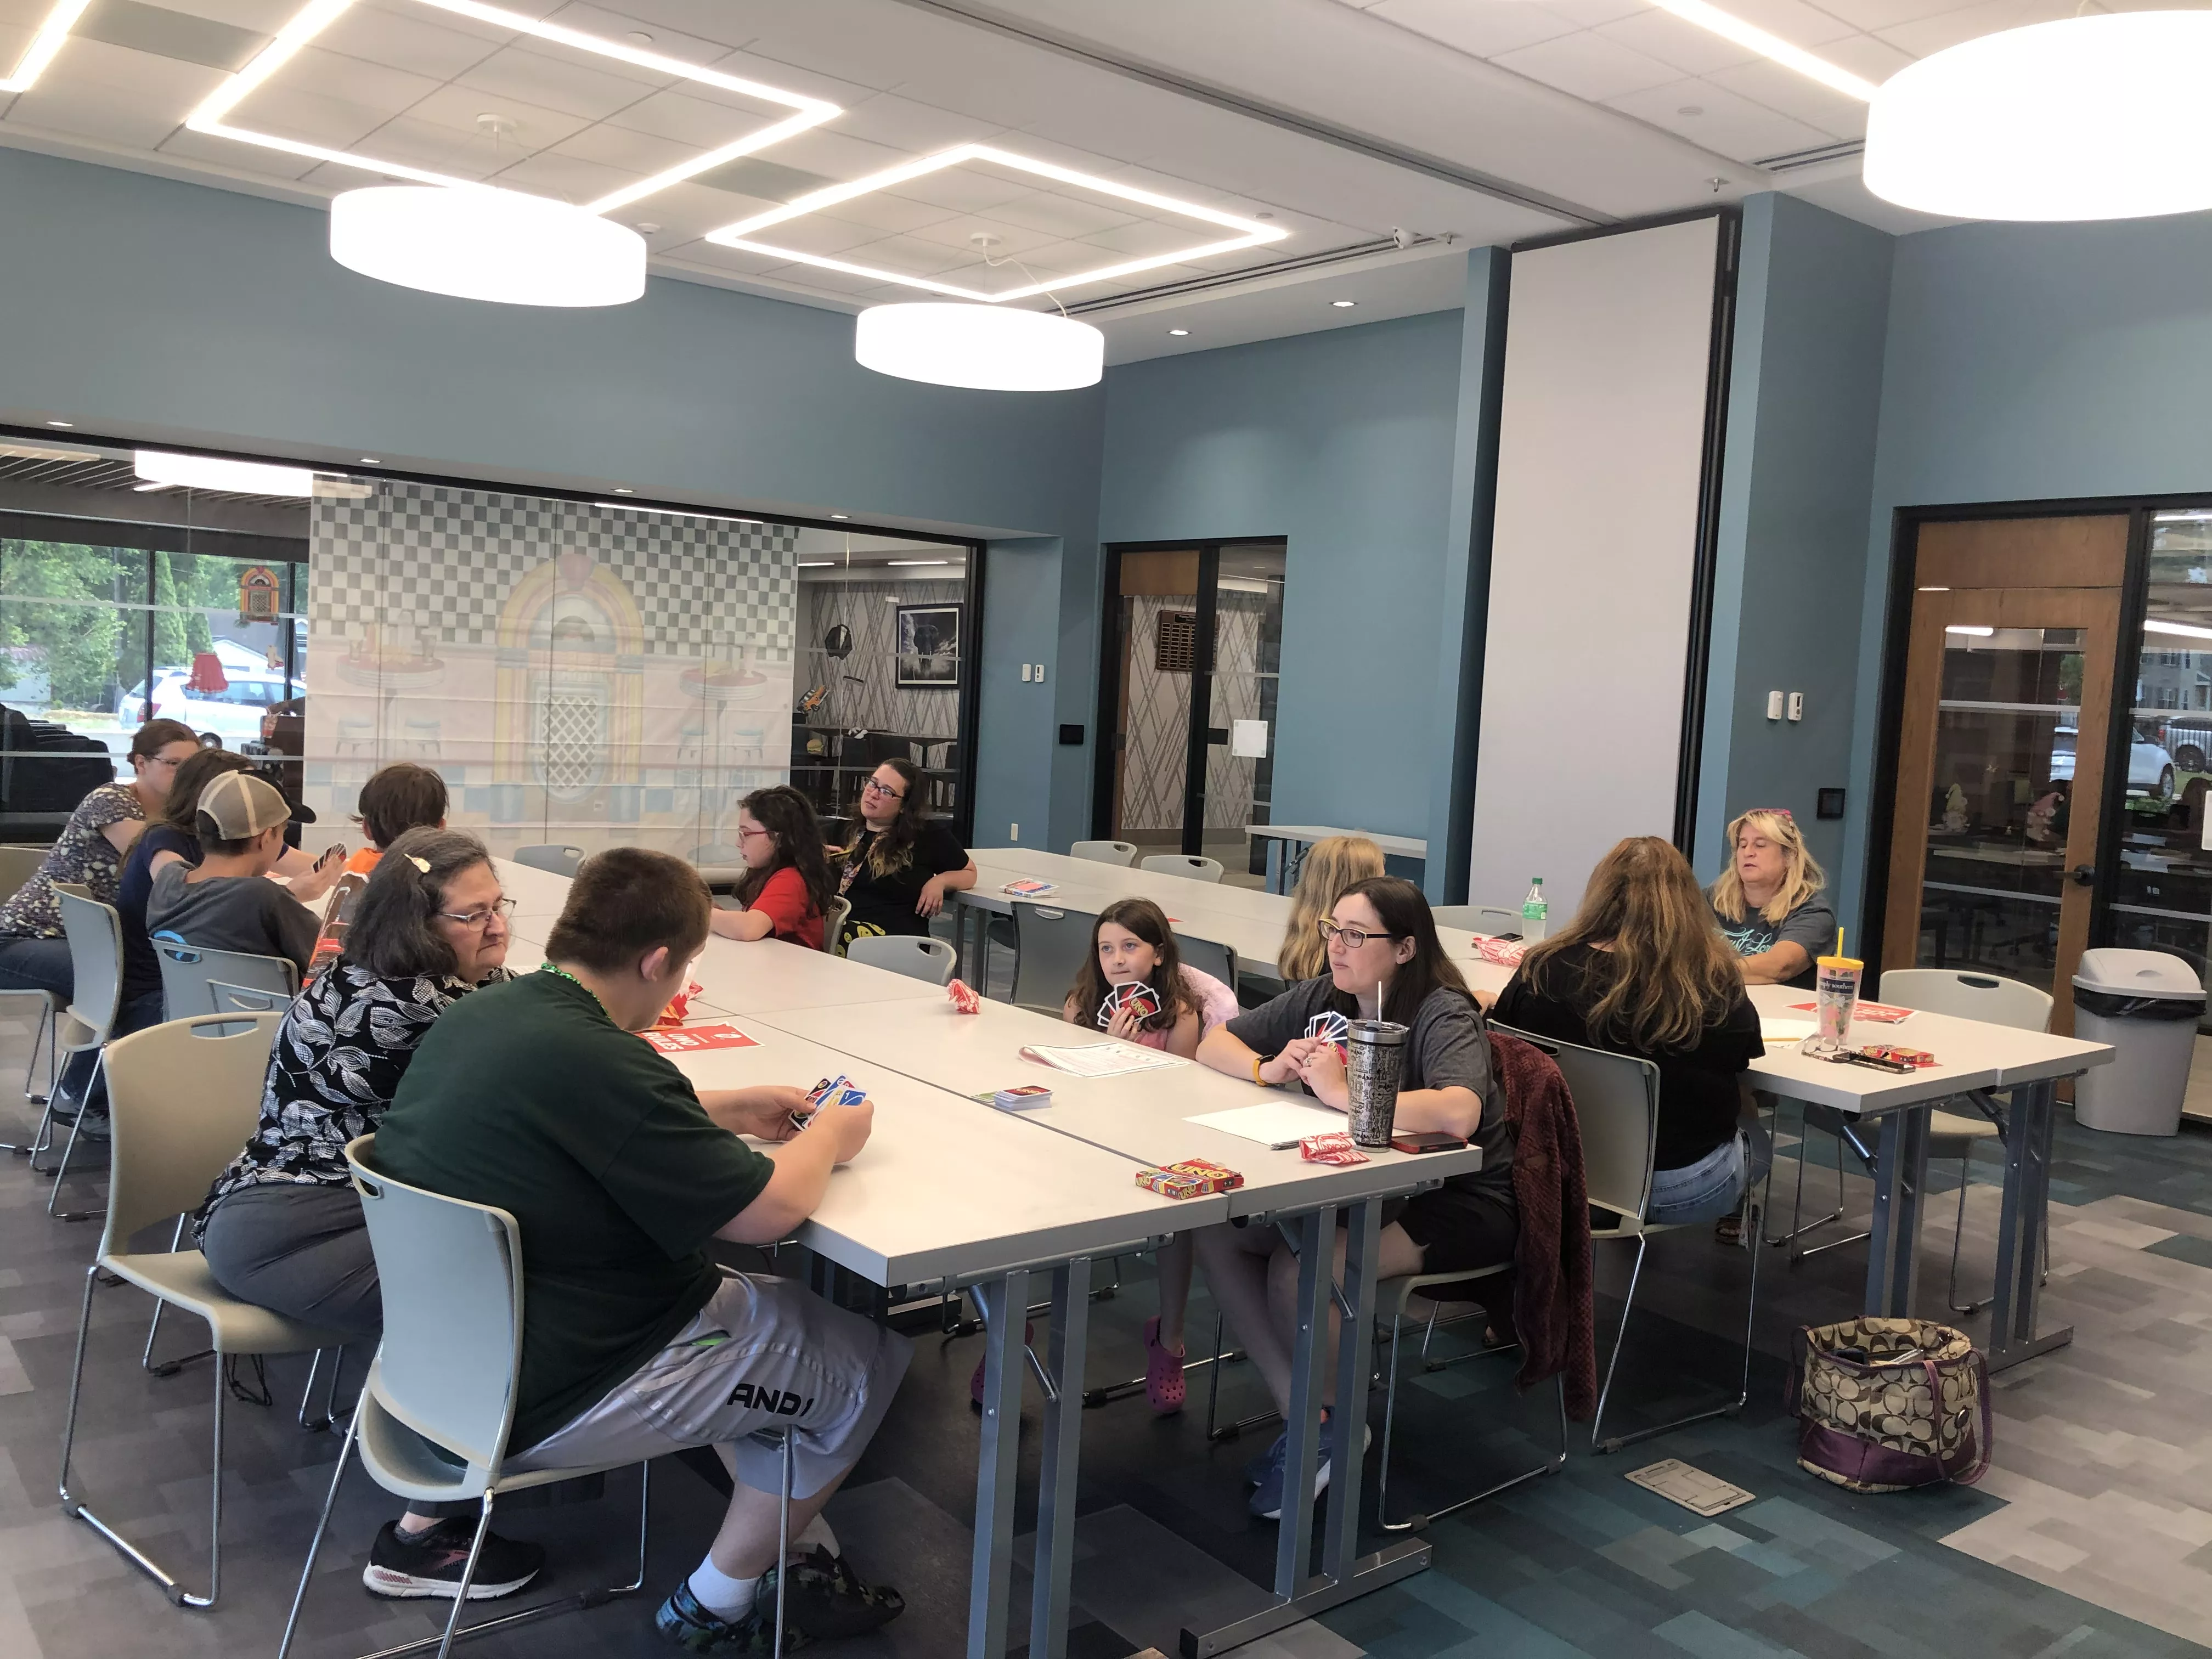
[1593, 555]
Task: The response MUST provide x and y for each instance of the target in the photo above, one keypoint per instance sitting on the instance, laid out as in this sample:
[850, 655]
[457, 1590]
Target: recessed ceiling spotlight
[141, 488]
[648, 226]
[370, 460]
[841, 515]
[622, 490]
[816, 564]
[1263, 215]
[1178, 332]
[61, 423]
[1691, 109]
[1344, 305]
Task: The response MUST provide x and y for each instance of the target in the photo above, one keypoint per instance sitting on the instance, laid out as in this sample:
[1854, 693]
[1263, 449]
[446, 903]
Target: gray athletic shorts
[765, 1354]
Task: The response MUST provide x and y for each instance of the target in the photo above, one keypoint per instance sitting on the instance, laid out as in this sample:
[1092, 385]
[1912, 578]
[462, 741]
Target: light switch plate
[1774, 705]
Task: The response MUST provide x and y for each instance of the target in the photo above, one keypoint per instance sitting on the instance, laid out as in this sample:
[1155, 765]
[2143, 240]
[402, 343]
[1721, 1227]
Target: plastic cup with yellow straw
[1835, 997]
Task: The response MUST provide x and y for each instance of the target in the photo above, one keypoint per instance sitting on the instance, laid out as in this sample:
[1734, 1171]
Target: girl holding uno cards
[1135, 986]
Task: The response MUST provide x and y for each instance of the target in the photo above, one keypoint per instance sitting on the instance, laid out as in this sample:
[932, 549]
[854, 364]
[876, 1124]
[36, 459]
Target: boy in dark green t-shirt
[535, 1097]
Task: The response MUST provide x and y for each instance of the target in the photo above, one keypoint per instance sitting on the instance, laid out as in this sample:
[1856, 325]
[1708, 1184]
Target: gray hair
[394, 933]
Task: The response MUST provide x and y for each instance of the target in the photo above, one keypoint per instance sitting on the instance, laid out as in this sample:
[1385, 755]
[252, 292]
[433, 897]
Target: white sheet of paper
[1102, 1058]
[1248, 739]
[1785, 1030]
[1278, 1124]
[1690, 1486]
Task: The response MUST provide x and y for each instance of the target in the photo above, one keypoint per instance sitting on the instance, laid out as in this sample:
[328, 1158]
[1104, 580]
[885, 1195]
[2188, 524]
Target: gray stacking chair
[189, 976]
[1123, 853]
[1051, 945]
[1183, 864]
[182, 1098]
[1208, 957]
[561, 860]
[17, 866]
[833, 922]
[917, 957]
[96, 941]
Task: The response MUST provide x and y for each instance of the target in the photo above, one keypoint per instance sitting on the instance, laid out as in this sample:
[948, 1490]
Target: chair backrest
[182, 1098]
[1969, 996]
[1183, 864]
[1209, 958]
[1617, 1105]
[247, 999]
[1491, 919]
[1123, 853]
[94, 932]
[450, 1274]
[188, 975]
[833, 922]
[916, 957]
[561, 860]
[1051, 946]
[17, 866]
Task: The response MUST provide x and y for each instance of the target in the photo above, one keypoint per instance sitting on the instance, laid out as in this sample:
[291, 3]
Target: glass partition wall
[582, 672]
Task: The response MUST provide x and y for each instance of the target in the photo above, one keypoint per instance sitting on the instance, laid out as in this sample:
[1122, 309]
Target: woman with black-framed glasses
[901, 862]
[1385, 962]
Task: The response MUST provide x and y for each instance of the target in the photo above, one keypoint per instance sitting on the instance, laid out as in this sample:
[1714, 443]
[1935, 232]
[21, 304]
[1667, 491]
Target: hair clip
[423, 864]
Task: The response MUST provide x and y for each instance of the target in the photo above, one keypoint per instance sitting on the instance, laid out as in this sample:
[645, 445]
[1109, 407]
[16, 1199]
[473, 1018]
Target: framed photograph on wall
[928, 647]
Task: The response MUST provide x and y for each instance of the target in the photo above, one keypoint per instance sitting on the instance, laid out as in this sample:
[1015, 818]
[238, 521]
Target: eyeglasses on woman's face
[479, 920]
[1333, 931]
[878, 787]
[745, 833]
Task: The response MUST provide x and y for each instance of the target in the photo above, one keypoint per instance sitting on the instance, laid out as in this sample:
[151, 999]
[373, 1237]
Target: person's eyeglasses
[480, 919]
[885, 790]
[745, 833]
[162, 760]
[1353, 938]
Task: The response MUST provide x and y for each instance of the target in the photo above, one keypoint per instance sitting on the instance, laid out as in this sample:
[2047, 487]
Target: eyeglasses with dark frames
[1353, 938]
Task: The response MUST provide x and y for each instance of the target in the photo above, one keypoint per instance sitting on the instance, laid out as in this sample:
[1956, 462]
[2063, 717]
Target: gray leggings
[300, 1250]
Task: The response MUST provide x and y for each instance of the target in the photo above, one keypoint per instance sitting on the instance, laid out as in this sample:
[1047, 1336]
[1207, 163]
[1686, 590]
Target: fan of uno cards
[1332, 1028]
[838, 1091]
[1139, 998]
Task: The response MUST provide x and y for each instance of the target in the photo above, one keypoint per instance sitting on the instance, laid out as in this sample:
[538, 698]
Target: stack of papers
[1278, 1124]
[1102, 1058]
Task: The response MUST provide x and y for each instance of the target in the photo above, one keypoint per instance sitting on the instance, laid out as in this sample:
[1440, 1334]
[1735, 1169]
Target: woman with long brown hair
[1642, 970]
[901, 862]
[1331, 864]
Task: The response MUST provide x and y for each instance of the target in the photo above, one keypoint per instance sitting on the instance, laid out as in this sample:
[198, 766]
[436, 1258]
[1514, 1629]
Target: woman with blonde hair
[1768, 900]
[1331, 864]
[1642, 970]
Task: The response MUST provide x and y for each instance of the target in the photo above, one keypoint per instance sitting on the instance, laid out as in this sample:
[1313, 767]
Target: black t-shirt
[526, 1096]
[142, 969]
[885, 904]
[1698, 1098]
[1448, 1047]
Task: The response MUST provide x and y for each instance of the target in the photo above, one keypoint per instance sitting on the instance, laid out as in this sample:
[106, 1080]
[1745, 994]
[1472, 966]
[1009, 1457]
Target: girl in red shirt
[786, 886]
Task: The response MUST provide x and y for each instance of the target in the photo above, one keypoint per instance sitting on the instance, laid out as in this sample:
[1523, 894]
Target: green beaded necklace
[562, 973]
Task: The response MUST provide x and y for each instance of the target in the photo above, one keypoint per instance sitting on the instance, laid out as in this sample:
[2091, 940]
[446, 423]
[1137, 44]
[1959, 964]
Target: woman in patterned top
[282, 1227]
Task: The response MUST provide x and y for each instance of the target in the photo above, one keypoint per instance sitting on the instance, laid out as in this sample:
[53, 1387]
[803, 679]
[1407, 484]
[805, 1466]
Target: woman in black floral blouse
[282, 1227]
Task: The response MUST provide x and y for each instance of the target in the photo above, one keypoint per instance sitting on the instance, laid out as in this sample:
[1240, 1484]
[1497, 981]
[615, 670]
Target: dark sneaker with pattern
[691, 1626]
[408, 1570]
[827, 1600]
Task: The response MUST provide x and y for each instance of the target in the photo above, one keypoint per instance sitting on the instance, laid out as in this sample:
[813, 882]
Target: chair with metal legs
[17, 866]
[95, 942]
[181, 1100]
[1617, 1102]
[433, 1418]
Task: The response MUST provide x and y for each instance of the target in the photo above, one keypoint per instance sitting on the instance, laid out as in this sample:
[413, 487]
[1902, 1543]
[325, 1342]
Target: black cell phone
[1426, 1140]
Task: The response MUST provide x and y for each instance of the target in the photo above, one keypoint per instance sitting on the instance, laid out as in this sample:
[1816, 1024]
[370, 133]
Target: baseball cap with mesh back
[241, 805]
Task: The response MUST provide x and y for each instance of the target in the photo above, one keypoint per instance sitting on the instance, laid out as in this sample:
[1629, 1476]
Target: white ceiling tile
[310, 117]
[968, 188]
[954, 231]
[1887, 14]
[186, 145]
[1866, 57]
[874, 44]
[1481, 28]
[20, 19]
[573, 84]
[1589, 66]
[827, 151]
[1662, 35]
[1066, 213]
[416, 40]
[735, 260]
[923, 129]
[433, 144]
[1725, 123]
[262, 16]
[910, 256]
[1932, 34]
[625, 150]
[887, 214]
[536, 127]
[1793, 21]
[88, 110]
[618, 24]
[318, 74]
[1788, 92]
[1588, 14]
[727, 22]
[680, 115]
[815, 234]
[1143, 239]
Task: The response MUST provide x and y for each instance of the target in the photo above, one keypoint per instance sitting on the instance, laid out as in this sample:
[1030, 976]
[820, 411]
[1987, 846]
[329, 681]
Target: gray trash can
[2146, 1004]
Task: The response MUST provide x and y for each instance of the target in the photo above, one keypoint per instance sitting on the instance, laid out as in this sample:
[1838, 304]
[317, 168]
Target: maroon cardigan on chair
[1551, 1308]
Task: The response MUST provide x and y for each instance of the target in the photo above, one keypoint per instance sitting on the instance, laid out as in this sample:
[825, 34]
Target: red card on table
[690, 1039]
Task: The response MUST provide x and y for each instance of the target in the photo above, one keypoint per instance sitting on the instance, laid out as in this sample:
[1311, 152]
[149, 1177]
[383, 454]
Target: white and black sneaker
[430, 1565]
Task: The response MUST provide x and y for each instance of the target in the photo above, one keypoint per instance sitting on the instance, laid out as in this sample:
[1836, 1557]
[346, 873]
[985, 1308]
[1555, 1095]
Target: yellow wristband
[1256, 1078]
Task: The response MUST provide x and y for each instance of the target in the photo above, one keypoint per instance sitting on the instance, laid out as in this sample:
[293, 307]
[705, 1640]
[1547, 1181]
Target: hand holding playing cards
[1323, 1072]
[763, 1111]
[848, 1125]
[1291, 1062]
[1128, 1021]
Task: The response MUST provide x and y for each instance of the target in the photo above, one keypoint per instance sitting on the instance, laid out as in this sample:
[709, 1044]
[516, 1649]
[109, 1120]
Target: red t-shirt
[783, 901]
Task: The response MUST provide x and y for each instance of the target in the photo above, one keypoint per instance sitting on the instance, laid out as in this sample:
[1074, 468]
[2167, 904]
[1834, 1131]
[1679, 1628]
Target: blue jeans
[43, 964]
[1715, 1185]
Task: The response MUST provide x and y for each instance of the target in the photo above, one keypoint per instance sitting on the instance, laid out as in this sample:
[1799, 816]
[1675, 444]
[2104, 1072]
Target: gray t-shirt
[1448, 1047]
[1812, 924]
[247, 913]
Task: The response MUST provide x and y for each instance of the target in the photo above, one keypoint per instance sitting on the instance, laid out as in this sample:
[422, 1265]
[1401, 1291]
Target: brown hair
[626, 902]
[1331, 864]
[399, 798]
[1404, 911]
[394, 933]
[789, 816]
[154, 735]
[1149, 923]
[181, 811]
[1666, 975]
[893, 850]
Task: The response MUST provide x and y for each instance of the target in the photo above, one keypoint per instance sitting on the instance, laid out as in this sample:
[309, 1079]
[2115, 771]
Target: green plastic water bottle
[1534, 911]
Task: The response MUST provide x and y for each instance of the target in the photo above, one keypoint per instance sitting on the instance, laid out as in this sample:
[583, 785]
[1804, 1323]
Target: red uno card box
[1192, 1178]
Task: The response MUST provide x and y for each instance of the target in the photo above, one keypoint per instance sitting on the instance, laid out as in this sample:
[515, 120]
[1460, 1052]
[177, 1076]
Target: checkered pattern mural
[579, 674]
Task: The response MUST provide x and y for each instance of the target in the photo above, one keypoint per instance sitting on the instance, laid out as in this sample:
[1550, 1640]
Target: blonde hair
[1667, 974]
[1802, 875]
[1332, 865]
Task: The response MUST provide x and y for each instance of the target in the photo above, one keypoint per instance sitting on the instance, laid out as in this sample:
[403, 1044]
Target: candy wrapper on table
[1505, 952]
[964, 999]
[679, 1007]
[1194, 1177]
[1336, 1148]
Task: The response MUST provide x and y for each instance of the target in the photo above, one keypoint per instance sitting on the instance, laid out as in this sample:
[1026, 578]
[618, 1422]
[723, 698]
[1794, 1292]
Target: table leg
[1894, 1246]
[1294, 1535]
[1275, 884]
[2026, 1216]
[1354, 1365]
[1054, 1563]
[997, 1460]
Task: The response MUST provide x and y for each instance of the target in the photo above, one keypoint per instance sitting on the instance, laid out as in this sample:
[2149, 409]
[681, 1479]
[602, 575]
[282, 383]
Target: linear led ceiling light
[213, 114]
[1753, 38]
[2154, 626]
[43, 45]
[2086, 118]
[1250, 232]
[158, 466]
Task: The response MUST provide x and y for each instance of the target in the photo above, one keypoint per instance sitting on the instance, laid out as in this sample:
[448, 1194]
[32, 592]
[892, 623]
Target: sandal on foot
[1164, 1388]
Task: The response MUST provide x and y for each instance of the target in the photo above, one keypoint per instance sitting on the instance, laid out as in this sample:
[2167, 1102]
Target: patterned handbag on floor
[1888, 1404]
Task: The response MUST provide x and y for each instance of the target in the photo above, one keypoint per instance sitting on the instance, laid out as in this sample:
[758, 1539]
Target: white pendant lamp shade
[2099, 116]
[495, 244]
[988, 348]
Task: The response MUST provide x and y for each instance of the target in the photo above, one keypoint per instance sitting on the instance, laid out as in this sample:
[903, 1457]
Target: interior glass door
[1157, 597]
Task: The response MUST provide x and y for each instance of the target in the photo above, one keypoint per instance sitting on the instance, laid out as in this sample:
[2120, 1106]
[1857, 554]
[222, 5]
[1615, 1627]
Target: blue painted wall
[1343, 442]
[1812, 305]
[144, 306]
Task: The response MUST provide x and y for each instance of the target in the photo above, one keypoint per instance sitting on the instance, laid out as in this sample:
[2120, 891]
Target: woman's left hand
[1323, 1074]
[933, 897]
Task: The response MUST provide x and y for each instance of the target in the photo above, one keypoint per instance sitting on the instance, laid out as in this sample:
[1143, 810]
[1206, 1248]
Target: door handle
[2082, 875]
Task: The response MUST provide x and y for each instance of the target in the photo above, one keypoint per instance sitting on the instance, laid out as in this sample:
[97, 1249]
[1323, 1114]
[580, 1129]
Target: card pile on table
[1025, 1097]
[1194, 1177]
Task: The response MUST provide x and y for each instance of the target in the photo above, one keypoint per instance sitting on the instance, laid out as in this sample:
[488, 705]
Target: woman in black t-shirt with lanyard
[900, 863]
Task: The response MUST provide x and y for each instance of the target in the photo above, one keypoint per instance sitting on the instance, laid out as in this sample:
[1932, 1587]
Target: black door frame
[1200, 738]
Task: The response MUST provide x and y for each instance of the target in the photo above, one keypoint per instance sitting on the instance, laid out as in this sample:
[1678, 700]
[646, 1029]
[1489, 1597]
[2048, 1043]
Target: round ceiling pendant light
[2086, 117]
[988, 348]
[484, 243]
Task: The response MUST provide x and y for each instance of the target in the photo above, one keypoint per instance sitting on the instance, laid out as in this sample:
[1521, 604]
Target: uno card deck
[1136, 996]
